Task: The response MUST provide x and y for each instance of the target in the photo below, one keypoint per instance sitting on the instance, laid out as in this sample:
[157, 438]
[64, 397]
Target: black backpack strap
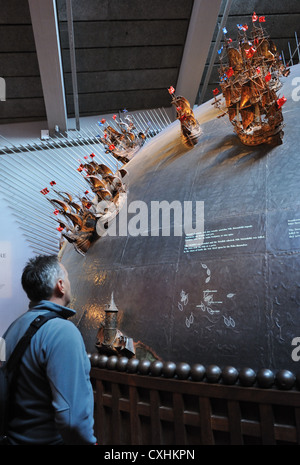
[25, 340]
[12, 365]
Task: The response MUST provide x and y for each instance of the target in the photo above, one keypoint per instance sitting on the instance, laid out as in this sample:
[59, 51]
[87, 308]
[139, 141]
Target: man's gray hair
[40, 276]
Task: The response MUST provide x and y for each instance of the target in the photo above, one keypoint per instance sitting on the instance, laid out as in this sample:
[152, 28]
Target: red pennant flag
[92, 155]
[250, 52]
[86, 192]
[103, 121]
[254, 17]
[111, 147]
[281, 101]
[171, 90]
[45, 191]
[229, 72]
[56, 212]
[60, 228]
[216, 91]
[80, 169]
[262, 19]
[268, 77]
[114, 117]
[52, 183]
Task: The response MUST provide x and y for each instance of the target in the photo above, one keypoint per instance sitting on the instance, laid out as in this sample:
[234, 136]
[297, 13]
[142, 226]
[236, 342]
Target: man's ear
[60, 287]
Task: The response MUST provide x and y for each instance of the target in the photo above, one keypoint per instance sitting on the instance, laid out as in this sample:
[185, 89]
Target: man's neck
[59, 301]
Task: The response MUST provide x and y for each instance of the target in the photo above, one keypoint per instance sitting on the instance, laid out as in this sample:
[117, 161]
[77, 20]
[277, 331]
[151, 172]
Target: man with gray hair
[53, 398]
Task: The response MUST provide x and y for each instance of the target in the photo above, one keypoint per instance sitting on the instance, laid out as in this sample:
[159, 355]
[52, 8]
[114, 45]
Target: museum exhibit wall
[233, 299]
[14, 252]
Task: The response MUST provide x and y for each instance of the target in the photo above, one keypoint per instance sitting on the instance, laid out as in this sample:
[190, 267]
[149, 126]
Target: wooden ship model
[125, 142]
[190, 128]
[250, 75]
[84, 219]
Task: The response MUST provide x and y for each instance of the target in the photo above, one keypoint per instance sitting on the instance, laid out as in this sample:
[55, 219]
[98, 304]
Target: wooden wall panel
[111, 81]
[14, 12]
[16, 38]
[263, 7]
[107, 10]
[122, 58]
[19, 65]
[124, 47]
[90, 103]
[22, 109]
[160, 411]
[125, 33]
[127, 52]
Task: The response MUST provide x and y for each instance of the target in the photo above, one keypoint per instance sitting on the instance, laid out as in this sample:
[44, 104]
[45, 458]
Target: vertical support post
[214, 52]
[2, 90]
[201, 28]
[73, 61]
[45, 30]
[291, 56]
[297, 45]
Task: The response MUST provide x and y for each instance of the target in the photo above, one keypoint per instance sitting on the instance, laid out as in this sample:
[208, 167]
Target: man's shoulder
[57, 337]
[59, 324]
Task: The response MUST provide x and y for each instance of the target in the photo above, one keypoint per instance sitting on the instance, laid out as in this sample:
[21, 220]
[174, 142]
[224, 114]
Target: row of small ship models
[85, 219]
[249, 80]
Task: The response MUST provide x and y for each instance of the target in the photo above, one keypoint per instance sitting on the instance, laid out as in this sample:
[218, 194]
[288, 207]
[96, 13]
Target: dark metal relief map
[228, 294]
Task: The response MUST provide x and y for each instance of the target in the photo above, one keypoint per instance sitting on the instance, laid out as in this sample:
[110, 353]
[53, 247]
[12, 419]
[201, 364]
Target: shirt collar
[65, 312]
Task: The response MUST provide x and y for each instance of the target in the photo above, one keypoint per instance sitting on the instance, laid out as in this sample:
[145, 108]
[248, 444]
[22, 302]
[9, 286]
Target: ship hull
[191, 136]
[125, 155]
[261, 136]
[270, 132]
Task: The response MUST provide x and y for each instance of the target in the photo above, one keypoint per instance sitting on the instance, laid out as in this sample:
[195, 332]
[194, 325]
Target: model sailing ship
[84, 219]
[124, 143]
[250, 79]
[190, 128]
